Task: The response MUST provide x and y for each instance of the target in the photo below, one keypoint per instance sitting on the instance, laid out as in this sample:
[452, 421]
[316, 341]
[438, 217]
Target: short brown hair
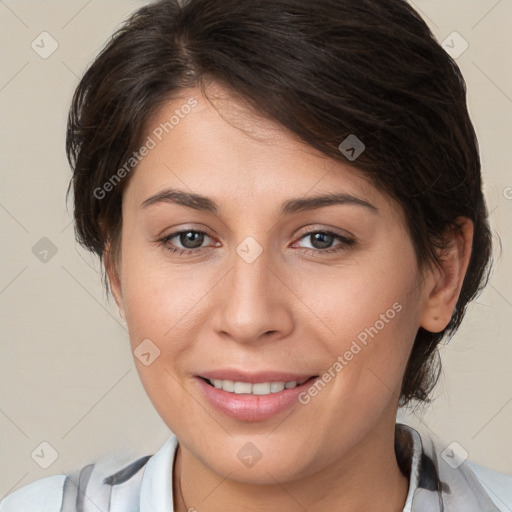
[324, 70]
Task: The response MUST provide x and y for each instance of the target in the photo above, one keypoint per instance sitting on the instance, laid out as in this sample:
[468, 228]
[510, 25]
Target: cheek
[159, 298]
[371, 310]
[372, 293]
[159, 306]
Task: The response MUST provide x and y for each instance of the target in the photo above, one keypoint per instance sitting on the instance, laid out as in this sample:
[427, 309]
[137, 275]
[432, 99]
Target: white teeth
[217, 383]
[243, 387]
[227, 385]
[260, 388]
[275, 387]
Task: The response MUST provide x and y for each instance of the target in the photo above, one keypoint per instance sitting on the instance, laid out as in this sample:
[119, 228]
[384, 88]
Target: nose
[252, 303]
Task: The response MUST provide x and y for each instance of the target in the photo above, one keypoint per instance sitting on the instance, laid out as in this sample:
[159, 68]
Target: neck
[368, 478]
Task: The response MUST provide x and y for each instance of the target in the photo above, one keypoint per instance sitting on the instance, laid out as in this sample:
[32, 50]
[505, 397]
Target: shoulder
[65, 492]
[118, 481]
[42, 495]
[497, 485]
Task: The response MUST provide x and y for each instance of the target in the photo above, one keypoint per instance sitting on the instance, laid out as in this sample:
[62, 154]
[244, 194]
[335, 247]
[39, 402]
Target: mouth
[252, 398]
[257, 388]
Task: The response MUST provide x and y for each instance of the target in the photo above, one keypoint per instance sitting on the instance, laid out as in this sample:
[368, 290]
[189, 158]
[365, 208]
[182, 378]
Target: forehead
[219, 146]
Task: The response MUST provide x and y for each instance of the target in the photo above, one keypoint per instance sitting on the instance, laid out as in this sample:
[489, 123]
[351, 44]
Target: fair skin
[293, 309]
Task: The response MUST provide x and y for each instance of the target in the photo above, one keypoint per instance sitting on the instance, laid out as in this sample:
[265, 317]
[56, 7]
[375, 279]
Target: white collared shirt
[145, 485]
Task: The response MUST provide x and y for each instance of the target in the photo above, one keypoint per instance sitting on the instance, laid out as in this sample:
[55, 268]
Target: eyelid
[176, 230]
[309, 230]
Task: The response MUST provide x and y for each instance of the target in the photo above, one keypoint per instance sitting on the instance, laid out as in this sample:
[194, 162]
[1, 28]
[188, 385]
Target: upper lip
[255, 377]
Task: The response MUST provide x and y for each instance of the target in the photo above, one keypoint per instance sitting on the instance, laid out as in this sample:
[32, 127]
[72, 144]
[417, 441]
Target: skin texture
[212, 309]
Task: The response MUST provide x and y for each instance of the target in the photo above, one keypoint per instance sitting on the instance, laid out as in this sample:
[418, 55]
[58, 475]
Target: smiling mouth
[258, 388]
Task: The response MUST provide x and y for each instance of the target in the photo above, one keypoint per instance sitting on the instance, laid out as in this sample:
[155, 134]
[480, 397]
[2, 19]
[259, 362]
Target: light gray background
[67, 374]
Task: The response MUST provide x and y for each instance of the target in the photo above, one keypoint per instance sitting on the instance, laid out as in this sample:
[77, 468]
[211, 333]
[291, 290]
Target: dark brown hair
[324, 70]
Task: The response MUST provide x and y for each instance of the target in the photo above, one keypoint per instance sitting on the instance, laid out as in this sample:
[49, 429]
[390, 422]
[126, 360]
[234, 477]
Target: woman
[286, 197]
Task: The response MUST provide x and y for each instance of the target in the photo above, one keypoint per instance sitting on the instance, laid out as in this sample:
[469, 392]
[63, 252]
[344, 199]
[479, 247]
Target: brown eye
[191, 239]
[322, 242]
[185, 242]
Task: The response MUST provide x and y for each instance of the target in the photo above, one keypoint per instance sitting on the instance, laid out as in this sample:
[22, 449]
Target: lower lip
[247, 407]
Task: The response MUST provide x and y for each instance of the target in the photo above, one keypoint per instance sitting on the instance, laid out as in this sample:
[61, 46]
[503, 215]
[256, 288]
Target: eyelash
[345, 243]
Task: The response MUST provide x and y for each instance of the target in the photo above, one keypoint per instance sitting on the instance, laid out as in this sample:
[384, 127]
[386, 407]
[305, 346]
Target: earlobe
[113, 278]
[444, 284]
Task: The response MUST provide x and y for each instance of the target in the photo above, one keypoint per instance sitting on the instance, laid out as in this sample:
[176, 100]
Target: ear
[113, 278]
[443, 285]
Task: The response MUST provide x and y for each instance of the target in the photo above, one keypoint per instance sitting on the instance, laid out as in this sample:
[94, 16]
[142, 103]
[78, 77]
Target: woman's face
[267, 285]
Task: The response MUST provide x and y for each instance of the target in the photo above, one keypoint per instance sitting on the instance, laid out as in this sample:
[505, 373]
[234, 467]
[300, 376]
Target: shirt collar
[437, 482]
[156, 487]
[434, 485]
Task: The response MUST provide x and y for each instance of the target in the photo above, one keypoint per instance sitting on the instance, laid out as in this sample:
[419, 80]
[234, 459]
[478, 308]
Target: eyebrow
[203, 203]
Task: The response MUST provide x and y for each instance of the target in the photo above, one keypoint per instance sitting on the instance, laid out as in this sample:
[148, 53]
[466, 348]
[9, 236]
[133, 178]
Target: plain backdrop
[67, 374]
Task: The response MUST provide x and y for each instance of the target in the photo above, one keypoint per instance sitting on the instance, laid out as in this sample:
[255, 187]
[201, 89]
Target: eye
[321, 242]
[190, 241]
